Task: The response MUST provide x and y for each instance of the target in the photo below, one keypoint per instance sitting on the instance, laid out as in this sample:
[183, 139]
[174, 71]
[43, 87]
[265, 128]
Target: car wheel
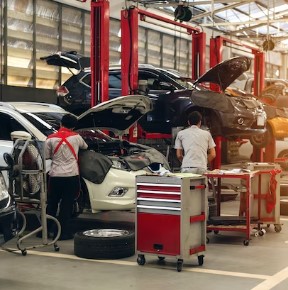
[262, 140]
[283, 154]
[104, 244]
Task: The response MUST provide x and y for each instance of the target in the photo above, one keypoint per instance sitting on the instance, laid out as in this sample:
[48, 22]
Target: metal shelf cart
[171, 217]
[251, 207]
[266, 193]
[28, 185]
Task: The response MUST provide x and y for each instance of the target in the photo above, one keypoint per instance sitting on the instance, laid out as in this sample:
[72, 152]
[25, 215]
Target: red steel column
[198, 54]
[259, 72]
[216, 49]
[129, 50]
[99, 51]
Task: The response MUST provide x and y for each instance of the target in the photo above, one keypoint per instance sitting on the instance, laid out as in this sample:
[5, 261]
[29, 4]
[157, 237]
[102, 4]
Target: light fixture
[182, 13]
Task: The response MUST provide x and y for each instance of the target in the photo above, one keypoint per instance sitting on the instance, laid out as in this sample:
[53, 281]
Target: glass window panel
[154, 47]
[71, 29]
[47, 42]
[20, 42]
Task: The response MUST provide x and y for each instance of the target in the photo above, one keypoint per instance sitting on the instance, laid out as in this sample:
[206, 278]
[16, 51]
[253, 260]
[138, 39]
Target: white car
[108, 181]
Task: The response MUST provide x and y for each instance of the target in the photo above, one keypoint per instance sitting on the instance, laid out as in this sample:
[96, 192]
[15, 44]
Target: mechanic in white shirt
[195, 147]
[64, 182]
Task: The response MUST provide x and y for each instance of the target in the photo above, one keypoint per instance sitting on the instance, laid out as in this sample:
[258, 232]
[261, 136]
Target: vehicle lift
[216, 49]
[129, 62]
[129, 56]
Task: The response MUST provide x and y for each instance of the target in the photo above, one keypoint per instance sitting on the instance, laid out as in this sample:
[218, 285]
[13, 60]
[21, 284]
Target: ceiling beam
[227, 7]
[284, 19]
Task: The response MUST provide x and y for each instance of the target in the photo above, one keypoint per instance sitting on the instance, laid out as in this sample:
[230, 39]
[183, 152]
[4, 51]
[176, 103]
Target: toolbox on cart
[171, 217]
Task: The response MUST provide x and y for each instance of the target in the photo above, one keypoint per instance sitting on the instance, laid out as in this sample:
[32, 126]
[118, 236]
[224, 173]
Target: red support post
[259, 72]
[216, 49]
[198, 54]
[216, 163]
[99, 51]
[129, 50]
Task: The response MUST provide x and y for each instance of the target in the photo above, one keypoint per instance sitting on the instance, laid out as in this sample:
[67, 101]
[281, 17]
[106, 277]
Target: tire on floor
[104, 244]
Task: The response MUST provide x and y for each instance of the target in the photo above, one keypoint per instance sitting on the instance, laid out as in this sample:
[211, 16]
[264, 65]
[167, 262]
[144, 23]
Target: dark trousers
[61, 193]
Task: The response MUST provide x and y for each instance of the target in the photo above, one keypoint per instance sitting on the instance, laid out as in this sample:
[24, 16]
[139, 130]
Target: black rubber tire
[104, 247]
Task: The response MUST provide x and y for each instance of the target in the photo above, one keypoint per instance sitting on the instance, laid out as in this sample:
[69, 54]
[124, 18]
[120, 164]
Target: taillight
[62, 91]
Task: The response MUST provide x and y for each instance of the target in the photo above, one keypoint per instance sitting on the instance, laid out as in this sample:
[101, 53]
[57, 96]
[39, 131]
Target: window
[8, 125]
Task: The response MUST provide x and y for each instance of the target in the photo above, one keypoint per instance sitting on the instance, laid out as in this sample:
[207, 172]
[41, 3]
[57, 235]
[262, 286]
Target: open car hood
[68, 59]
[116, 115]
[226, 72]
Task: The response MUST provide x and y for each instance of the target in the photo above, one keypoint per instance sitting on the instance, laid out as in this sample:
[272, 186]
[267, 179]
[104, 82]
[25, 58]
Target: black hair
[69, 121]
[194, 118]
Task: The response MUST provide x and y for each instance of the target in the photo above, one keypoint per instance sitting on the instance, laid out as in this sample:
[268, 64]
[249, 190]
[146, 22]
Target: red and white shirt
[63, 147]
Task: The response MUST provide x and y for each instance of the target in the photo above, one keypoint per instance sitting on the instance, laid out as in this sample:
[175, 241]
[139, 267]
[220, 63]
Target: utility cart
[255, 192]
[171, 217]
[27, 183]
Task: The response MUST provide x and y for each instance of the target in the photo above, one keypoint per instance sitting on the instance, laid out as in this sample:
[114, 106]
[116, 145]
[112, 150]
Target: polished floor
[228, 264]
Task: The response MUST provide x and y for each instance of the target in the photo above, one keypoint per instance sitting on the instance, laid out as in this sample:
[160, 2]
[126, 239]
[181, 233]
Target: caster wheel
[261, 233]
[246, 242]
[216, 232]
[200, 260]
[277, 228]
[257, 234]
[141, 260]
[24, 253]
[161, 258]
[56, 248]
[207, 240]
[179, 265]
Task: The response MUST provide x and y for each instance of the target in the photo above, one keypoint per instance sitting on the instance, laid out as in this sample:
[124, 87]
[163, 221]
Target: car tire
[283, 154]
[104, 244]
[262, 140]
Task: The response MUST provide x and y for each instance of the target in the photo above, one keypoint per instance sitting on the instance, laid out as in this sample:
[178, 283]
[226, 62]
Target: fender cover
[93, 166]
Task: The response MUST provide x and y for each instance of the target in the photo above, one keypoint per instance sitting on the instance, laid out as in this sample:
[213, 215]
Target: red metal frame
[129, 53]
[234, 228]
[99, 51]
[216, 49]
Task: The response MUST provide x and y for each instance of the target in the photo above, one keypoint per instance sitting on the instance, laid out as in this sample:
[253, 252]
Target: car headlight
[118, 191]
[3, 189]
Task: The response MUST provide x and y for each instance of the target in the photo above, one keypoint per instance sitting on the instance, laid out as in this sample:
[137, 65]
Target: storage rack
[171, 217]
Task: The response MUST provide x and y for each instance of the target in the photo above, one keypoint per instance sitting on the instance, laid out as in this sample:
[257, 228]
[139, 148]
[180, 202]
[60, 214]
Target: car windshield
[181, 80]
[49, 122]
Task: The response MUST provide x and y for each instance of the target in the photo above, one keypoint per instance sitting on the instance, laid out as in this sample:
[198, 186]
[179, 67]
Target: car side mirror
[23, 135]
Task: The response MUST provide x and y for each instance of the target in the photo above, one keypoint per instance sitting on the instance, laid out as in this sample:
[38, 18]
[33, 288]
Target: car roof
[32, 107]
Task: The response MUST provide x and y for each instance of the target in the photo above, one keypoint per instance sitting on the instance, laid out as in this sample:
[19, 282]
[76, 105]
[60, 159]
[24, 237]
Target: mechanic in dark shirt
[64, 183]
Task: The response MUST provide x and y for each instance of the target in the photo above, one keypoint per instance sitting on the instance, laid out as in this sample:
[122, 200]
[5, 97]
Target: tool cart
[27, 183]
[254, 192]
[266, 193]
[171, 217]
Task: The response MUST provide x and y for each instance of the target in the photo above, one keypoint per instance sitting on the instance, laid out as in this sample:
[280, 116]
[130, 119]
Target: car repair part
[104, 244]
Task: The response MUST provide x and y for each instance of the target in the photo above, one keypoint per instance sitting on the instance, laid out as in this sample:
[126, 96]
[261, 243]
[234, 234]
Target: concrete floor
[228, 264]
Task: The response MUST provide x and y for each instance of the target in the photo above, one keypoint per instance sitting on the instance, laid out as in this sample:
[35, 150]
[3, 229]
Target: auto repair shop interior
[131, 72]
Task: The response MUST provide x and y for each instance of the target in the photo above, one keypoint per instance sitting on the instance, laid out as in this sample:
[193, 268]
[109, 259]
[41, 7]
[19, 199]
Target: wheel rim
[105, 233]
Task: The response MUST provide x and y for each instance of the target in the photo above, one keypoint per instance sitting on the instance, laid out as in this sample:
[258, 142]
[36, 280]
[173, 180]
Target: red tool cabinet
[171, 217]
